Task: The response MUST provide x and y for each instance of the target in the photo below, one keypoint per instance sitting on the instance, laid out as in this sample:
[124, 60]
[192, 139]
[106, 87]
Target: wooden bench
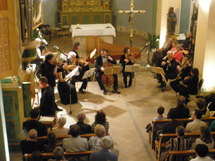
[156, 123]
[61, 137]
[160, 144]
[51, 155]
[186, 153]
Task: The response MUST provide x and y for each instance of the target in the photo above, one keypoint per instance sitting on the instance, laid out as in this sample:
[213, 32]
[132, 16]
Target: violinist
[127, 59]
[189, 85]
[83, 67]
[183, 71]
[67, 91]
[170, 66]
[48, 69]
[75, 48]
[100, 61]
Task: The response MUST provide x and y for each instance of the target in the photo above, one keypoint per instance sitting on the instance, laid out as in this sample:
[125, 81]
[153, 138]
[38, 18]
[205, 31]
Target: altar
[90, 34]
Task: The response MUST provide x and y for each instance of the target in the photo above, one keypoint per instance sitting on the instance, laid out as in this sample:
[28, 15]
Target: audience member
[36, 156]
[75, 143]
[84, 128]
[100, 118]
[177, 144]
[201, 105]
[58, 154]
[171, 126]
[205, 138]
[196, 124]
[34, 123]
[31, 144]
[181, 110]
[60, 129]
[104, 154]
[202, 153]
[52, 142]
[160, 112]
[95, 141]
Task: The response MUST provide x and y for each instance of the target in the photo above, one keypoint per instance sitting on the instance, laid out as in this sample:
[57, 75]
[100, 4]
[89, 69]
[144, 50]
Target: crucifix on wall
[131, 14]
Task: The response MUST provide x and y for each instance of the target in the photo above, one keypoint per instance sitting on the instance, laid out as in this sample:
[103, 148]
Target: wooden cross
[131, 14]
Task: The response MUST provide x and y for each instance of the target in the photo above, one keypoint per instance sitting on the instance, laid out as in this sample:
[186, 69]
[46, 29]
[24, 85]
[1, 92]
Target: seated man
[100, 61]
[84, 128]
[83, 67]
[202, 153]
[31, 144]
[104, 154]
[60, 129]
[47, 102]
[181, 111]
[196, 124]
[75, 143]
[34, 123]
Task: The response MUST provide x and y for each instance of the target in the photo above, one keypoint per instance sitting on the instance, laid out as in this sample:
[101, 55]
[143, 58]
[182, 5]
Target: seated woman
[67, 91]
[205, 138]
[127, 59]
[95, 141]
[100, 118]
[201, 105]
[177, 144]
[60, 129]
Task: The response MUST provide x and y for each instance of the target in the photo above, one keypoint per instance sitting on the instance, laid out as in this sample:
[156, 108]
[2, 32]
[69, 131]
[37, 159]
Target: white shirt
[72, 54]
[202, 159]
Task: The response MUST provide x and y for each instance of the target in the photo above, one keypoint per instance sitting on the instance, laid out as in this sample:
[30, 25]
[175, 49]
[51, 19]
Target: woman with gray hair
[60, 129]
[96, 141]
[104, 154]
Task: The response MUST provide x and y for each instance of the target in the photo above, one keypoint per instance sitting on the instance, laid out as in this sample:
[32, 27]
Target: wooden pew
[51, 155]
[66, 136]
[161, 122]
[186, 153]
[160, 144]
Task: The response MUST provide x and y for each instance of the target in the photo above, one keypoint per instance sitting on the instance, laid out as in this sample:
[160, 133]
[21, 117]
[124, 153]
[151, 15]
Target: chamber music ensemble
[175, 62]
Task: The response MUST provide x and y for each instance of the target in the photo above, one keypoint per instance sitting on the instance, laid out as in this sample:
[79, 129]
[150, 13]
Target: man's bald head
[32, 134]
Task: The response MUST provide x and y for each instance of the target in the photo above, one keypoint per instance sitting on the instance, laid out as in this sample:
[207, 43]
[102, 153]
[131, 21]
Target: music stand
[89, 73]
[159, 70]
[132, 69]
[112, 70]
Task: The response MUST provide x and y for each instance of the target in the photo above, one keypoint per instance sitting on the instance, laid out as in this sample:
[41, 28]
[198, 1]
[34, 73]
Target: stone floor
[127, 113]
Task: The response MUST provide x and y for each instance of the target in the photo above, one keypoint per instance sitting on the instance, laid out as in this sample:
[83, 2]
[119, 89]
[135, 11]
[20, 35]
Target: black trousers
[127, 75]
[78, 79]
[101, 85]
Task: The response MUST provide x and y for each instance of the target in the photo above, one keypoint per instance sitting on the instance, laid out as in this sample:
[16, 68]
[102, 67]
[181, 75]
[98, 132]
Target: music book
[93, 53]
[112, 70]
[46, 119]
[74, 72]
[89, 73]
[132, 68]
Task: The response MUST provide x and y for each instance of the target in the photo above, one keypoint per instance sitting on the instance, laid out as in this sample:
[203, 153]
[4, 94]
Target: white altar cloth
[93, 30]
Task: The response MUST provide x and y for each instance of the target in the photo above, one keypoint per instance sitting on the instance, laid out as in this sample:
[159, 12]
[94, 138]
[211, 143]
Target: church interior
[107, 80]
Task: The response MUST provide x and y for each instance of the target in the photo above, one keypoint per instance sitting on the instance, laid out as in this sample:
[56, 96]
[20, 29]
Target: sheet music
[92, 54]
[74, 72]
[46, 119]
[89, 73]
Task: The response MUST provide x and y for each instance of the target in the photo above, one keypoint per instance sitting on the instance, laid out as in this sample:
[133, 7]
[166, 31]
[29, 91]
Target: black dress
[67, 91]
[126, 74]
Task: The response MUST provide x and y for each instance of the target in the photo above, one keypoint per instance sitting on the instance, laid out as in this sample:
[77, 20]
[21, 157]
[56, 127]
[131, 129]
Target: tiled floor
[128, 113]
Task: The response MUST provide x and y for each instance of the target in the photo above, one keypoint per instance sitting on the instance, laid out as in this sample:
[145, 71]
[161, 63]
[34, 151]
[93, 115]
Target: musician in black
[83, 67]
[100, 60]
[127, 59]
[183, 71]
[47, 102]
[48, 69]
[75, 49]
[67, 91]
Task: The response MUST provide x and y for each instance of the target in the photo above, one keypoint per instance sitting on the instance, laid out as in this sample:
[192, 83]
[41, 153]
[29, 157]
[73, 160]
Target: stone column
[204, 58]
[4, 151]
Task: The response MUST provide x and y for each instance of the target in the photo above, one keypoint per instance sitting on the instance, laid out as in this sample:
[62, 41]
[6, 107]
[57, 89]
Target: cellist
[102, 59]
